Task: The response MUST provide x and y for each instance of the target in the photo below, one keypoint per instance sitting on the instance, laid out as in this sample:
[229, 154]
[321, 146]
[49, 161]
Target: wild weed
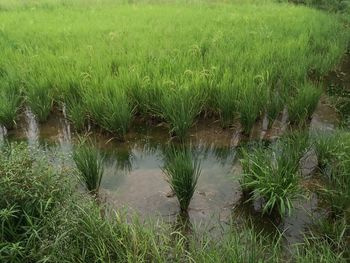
[273, 174]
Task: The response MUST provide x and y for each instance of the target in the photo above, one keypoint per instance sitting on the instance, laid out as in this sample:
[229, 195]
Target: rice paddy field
[174, 131]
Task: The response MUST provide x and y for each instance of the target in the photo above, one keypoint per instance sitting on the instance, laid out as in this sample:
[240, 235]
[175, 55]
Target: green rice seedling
[10, 100]
[182, 171]
[90, 164]
[273, 174]
[110, 109]
[250, 107]
[39, 98]
[227, 100]
[274, 106]
[301, 107]
[179, 109]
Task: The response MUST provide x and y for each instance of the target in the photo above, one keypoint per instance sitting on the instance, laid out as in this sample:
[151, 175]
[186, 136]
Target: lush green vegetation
[171, 61]
[89, 163]
[182, 170]
[111, 64]
[44, 218]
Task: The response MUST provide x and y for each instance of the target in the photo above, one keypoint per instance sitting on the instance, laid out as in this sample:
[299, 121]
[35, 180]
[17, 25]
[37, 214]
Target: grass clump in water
[273, 174]
[90, 164]
[182, 171]
[10, 101]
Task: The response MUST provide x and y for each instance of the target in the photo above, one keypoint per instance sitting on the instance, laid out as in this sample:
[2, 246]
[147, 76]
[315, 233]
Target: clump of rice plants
[227, 100]
[301, 107]
[110, 109]
[90, 164]
[39, 98]
[179, 107]
[272, 173]
[182, 171]
[250, 107]
[274, 106]
[10, 100]
[74, 106]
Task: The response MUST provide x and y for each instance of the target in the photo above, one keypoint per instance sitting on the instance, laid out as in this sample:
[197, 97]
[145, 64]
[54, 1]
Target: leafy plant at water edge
[90, 164]
[182, 171]
[273, 174]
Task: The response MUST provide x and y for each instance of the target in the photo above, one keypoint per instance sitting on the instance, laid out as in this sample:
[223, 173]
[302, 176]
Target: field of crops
[181, 111]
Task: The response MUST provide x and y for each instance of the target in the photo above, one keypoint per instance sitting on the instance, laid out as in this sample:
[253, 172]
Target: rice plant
[274, 106]
[302, 106]
[39, 98]
[90, 164]
[227, 100]
[110, 109]
[182, 171]
[179, 109]
[10, 100]
[76, 113]
[250, 107]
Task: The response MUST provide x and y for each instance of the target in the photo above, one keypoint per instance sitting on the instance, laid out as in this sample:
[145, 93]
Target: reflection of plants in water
[182, 171]
[124, 159]
[90, 164]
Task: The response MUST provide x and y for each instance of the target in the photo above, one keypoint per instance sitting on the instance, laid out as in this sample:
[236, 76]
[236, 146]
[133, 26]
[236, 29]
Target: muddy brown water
[133, 178]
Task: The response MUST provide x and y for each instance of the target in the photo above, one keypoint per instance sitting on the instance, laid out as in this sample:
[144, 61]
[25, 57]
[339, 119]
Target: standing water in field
[32, 129]
[64, 134]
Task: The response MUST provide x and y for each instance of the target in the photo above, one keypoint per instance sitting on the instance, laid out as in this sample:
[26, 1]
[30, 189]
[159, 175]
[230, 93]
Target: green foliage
[273, 173]
[333, 152]
[121, 61]
[39, 98]
[182, 171]
[301, 107]
[110, 109]
[179, 108]
[90, 164]
[10, 100]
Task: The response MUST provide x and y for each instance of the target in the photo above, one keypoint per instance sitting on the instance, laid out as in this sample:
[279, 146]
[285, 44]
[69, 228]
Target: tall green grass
[301, 107]
[179, 107]
[90, 164]
[110, 109]
[182, 171]
[232, 64]
[10, 100]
